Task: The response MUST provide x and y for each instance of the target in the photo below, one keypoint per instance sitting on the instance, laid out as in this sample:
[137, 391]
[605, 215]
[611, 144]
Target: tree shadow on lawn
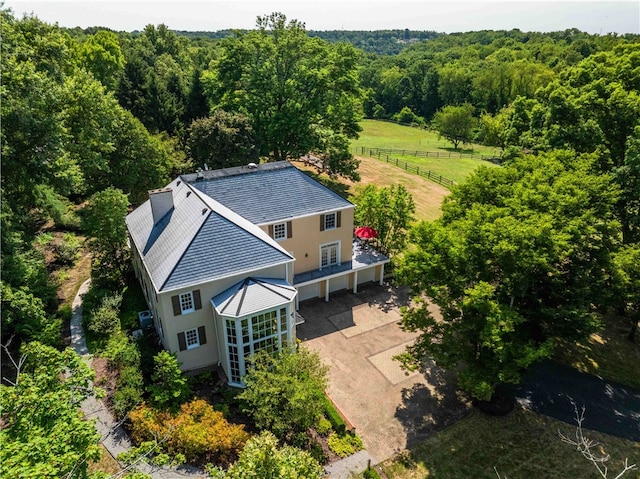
[466, 151]
[427, 409]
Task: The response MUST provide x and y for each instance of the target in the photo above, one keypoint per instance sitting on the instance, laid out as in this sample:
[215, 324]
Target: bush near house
[285, 392]
[197, 431]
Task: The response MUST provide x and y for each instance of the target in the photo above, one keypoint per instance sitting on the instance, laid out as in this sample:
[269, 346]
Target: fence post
[417, 168]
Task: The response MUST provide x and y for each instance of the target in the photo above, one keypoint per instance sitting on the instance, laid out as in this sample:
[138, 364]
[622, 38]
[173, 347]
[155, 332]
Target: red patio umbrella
[366, 232]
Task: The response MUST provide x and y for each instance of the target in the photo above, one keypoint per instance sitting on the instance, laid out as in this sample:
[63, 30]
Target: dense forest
[92, 119]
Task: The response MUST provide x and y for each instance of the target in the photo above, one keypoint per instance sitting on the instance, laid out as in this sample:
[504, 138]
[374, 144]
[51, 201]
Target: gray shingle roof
[253, 295]
[268, 193]
[198, 240]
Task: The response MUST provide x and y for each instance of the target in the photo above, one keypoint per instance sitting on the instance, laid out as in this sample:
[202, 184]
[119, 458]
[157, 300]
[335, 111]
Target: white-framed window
[186, 303]
[329, 254]
[192, 338]
[267, 331]
[280, 231]
[330, 221]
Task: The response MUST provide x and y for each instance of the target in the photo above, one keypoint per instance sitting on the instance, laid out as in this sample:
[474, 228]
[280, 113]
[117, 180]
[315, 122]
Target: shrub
[370, 473]
[406, 115]
[323, 426]
[122, 351]
[67, 249]
[263, 458]
[105, 320]
[196, 431]
[333, 416]
[65, 312]
[284, 393]
[169, 387]
[344, 444]
[128, 391]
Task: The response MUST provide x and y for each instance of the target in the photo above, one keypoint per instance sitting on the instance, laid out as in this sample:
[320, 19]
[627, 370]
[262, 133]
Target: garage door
[366, 275]
[338, 284]
[309, 291]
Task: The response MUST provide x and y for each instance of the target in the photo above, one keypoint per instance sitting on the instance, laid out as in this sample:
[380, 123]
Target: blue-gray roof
[267, 193]
[198, 240]
[253, 295]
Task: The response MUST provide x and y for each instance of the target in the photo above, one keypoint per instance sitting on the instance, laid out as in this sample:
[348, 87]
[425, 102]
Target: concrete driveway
[357, 335]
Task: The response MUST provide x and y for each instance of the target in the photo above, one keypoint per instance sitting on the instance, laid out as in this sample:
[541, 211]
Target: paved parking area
[357, 335]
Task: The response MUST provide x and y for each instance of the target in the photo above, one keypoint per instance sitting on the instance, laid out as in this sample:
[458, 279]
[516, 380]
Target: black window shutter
[197, 302]
[338, 218]
[321, 222]
[289, 229]
[177, 310]
[182, 342]
[202, 335]
[271, 230]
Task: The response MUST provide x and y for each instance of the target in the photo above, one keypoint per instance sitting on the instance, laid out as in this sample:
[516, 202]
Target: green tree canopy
[389, 210]
[455, 123]
[518, 259]
[101, 55]
[285, 392]
[293, 87]
[44, 433]
[222, 140]
[105, 223]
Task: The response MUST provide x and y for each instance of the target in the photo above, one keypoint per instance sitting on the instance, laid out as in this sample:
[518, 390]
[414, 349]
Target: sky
[598, 17]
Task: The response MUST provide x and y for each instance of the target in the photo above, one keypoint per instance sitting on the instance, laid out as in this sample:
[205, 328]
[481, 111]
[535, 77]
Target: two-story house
[225, 256]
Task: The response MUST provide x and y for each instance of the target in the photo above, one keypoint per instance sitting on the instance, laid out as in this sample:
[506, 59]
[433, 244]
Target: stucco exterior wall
[169, 325]
[307, 239]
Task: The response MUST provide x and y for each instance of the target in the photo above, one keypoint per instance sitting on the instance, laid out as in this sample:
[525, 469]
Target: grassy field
[521, 445]
[381, 134]
[427, 195]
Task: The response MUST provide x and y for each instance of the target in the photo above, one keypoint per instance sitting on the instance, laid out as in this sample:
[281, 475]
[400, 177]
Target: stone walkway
[112, 436]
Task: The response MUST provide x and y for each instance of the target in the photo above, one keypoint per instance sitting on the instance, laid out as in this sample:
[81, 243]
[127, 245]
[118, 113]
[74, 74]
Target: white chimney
[161, 203]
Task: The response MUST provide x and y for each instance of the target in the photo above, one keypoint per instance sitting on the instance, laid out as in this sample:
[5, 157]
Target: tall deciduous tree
[389, 210]
[291, 86]
[517, 260]
[222, 140]
[101, 55]
[627, 284]
[44, 433]
[104, 221]
[455, 123]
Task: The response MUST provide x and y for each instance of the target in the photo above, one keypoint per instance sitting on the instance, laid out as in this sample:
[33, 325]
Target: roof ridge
[239, 220]
[193, 238]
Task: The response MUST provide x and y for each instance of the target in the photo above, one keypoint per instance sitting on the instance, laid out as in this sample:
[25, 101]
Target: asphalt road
[553, 389]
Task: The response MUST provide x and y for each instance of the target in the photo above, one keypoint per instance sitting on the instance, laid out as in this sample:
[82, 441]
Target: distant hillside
[381, 42]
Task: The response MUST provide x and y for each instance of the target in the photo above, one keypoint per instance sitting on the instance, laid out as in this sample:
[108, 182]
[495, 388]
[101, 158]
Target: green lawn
[608, 353]
[521, 445]
[381, 134]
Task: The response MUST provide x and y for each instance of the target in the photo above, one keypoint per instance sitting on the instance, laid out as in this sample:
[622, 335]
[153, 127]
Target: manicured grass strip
[522, 445]
[331, 413]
